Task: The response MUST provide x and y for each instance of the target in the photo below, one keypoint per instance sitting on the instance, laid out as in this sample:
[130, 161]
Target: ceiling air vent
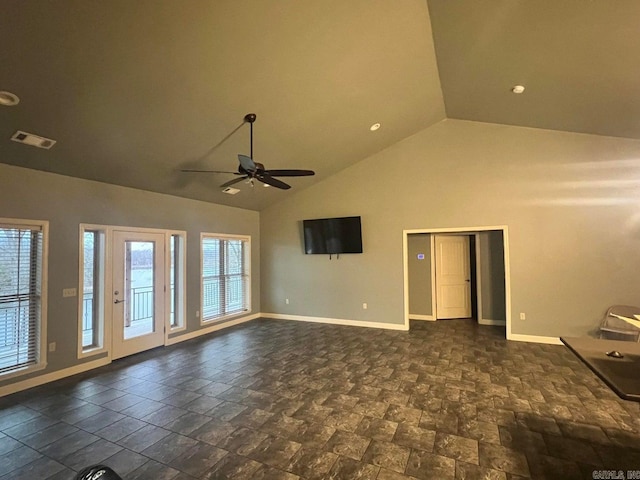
[33, 140]
[231, 190]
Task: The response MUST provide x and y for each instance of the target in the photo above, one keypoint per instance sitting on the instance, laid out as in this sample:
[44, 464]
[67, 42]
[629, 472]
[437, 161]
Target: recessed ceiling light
[374, 127]
[518, 89]
[8, 99]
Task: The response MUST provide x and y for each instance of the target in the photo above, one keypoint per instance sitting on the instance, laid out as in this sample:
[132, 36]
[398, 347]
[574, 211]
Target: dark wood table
[622, 375]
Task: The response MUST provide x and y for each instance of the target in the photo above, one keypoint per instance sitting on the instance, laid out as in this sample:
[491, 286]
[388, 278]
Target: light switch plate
[69, 292]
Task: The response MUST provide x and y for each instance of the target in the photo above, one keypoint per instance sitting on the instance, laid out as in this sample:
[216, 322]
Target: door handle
[118, 301]
[467, 280]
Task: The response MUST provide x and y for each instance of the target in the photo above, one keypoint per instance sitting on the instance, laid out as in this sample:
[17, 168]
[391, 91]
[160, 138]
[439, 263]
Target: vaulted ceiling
[135, 91]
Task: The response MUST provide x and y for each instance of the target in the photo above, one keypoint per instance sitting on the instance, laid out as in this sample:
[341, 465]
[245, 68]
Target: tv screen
[332, 235]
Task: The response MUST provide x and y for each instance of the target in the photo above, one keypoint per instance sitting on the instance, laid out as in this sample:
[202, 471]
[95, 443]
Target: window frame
[180, 303]
[103, 311]
[41, 353]
[247, 273]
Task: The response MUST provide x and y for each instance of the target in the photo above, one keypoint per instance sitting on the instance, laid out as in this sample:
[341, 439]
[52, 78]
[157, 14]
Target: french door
[138, 298]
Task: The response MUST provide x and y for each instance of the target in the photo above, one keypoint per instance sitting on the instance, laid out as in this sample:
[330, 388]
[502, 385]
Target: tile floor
[285, 400]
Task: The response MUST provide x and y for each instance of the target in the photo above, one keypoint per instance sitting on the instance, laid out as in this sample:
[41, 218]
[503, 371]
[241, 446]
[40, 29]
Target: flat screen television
[332, 235]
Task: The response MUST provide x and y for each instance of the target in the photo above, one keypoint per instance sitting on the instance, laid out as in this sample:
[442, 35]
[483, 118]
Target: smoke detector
[33, 140]
[231, 190]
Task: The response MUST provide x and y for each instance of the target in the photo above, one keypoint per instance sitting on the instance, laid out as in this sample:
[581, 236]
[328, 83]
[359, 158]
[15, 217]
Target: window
[225, 276]
[22, 297]
[176, 280]
[91, 297]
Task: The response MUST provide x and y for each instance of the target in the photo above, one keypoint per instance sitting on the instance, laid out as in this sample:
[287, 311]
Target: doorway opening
[452, 255]
[484, 290]
[131, 289]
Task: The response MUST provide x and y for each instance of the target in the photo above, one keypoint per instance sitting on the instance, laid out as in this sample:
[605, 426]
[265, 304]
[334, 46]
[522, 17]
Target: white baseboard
[534, 339]
[488, 321]
[83, 367]
[430, 318]
[53, 376]
[212, 328]
[336, 321]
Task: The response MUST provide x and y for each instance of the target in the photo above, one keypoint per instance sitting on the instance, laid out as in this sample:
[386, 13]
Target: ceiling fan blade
[274, 182]
[290, 173]
[190, 170]
[233, 182]
[247, 163]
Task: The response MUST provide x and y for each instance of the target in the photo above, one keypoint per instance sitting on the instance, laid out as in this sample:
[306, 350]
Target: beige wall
[419, 273]
[567, 199]
[66, 202]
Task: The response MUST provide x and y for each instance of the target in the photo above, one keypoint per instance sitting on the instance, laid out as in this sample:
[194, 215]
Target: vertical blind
[225, 277]
[20, 296]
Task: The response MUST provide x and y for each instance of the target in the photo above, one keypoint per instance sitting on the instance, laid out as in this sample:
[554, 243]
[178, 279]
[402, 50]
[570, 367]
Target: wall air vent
[33, 140]
[231, 190]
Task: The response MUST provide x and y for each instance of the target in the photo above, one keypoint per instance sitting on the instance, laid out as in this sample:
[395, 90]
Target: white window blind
[225, 276]
[20, 296]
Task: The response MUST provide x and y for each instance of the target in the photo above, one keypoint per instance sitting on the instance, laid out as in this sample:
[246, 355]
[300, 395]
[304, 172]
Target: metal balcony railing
[141, 306]
[15, 326]
[222, 295]
[17, 331]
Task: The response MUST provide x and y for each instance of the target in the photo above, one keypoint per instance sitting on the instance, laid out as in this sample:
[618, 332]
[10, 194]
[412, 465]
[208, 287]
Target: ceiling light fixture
[518, 89]
[8, 99]
[374, 127]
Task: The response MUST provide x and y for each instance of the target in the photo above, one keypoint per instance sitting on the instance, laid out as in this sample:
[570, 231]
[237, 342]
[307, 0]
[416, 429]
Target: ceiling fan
[251, 170]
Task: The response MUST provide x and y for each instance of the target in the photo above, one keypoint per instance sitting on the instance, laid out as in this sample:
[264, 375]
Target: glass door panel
[139, 288]
[138, 292]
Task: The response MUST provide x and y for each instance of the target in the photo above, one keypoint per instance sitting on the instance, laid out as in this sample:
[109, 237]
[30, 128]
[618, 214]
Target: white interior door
[453, 276]
[138, 292]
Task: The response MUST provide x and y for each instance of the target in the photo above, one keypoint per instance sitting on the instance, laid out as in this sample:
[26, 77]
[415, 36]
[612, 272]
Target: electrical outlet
[69, 292]
[197, 313]
[286, 300]
[364, 306]
[52, 347]
[522, 316]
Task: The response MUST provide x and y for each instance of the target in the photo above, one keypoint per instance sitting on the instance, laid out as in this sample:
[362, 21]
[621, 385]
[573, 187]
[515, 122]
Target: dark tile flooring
[285, 400]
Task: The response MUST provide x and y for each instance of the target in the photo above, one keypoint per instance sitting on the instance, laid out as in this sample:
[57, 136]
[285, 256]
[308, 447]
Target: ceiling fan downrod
[250, 118]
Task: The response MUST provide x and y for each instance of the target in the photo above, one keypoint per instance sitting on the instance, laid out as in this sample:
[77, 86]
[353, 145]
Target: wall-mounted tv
[332, 235]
